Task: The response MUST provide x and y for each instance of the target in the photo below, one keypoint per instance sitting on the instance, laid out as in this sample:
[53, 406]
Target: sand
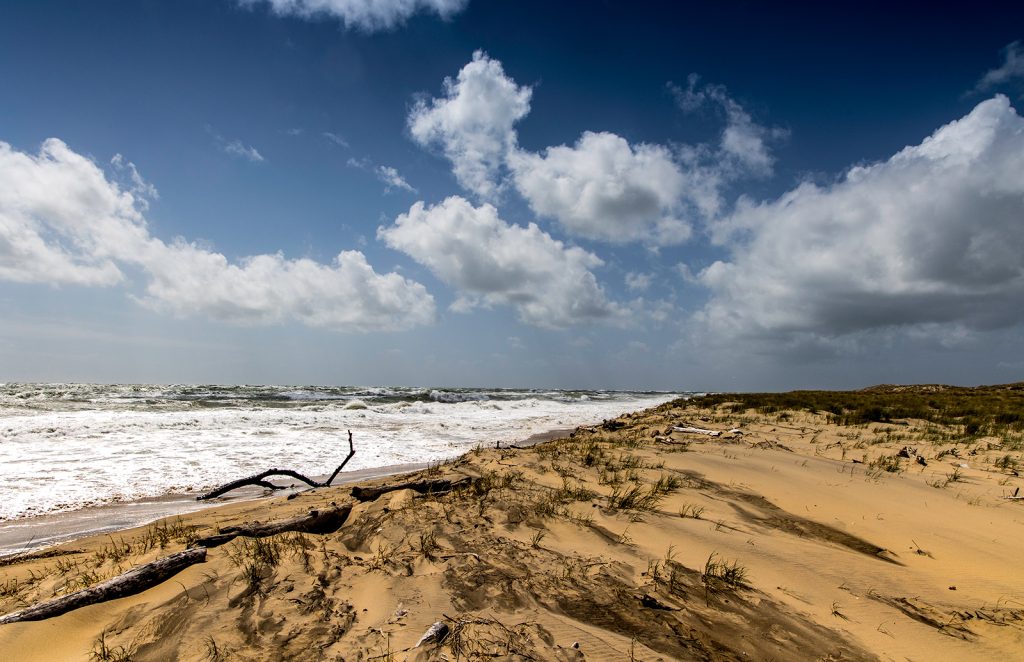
[623, 541]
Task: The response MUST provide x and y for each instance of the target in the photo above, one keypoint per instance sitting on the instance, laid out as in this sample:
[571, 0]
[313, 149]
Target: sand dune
[624, 541]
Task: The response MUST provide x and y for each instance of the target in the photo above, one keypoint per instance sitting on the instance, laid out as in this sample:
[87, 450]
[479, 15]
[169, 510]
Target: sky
[511, 194]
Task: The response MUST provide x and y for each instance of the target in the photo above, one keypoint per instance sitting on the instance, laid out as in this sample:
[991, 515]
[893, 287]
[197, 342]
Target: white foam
[55, 457]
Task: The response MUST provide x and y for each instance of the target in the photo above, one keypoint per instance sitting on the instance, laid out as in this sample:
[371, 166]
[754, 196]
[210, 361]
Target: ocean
[67, 447]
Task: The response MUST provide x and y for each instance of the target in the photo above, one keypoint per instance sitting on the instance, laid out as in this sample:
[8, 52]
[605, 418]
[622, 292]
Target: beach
[696, 529]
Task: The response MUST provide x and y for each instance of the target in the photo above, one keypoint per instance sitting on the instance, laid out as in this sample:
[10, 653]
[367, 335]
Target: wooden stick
[260, 478]
[134, 581]
[327, 521]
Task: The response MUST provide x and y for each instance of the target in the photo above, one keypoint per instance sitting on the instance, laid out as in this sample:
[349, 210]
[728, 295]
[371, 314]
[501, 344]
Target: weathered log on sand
[134, 581]
[317, 521]
[440, 486]
[260, 479]
[692, 430]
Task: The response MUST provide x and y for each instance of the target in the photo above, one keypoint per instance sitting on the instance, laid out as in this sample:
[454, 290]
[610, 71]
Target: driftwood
[692, 430]
[260, 479]
[327, 521]
[439, 486]
[134, 581]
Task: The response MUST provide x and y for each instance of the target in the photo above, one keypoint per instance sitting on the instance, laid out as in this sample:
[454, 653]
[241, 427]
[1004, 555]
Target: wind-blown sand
[593, 547]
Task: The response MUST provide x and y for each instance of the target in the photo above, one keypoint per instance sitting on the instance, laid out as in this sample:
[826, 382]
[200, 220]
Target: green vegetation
[984, 410]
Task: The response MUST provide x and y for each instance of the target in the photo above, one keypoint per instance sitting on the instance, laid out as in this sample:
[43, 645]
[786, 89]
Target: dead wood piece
[134, 581]
[439, 486]
[260, 479]
[326, 521]
[692, 430]
[33, 556]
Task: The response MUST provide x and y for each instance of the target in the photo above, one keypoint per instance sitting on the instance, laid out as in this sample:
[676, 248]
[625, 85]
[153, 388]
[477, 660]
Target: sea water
[65, 447]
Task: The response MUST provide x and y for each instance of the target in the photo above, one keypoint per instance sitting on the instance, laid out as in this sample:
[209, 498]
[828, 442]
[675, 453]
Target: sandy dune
[788, 540]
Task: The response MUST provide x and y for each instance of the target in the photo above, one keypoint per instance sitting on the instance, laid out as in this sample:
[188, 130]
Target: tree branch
[260, 479]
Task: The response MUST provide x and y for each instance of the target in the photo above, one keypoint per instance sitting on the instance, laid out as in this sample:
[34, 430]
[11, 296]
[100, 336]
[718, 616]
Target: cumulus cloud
[473, 123]
[62, 221]
[603, 187]
[366, 15]
[492, 262]
[1012, 67]
[606, 189]
[347, 295]
[930, 241]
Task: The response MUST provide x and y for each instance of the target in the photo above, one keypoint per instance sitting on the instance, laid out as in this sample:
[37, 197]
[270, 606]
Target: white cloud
[367, 15]
[603, 187]
[336, 139]
[743, 145]
[238, 148]
[58, 215]
[473, 123]
[142, 190]
[347, 295]
[391, 179]
[63, 222]
[930, 241]
[638, 282]
[606, 189]
[387, 175]
[1012, 67]
[491, 262]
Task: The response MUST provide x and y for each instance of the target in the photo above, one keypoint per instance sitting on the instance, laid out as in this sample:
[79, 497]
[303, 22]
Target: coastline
[33, 534]
[638, 537]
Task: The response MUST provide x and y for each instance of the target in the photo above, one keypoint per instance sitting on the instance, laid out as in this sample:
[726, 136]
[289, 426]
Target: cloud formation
[387, 175]
[929, 242]
[603, 187]
[62, 221]
[247, 152]
[1012, 67]
[473, 123]
[606, 189]
[743, 145]
[492, 262]
[366, 15]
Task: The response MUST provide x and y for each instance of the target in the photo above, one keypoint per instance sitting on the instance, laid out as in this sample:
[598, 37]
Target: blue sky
[460, 192]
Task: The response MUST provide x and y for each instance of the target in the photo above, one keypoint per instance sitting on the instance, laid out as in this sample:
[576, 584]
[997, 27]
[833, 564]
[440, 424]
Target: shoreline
[720, 530]
[34, 534]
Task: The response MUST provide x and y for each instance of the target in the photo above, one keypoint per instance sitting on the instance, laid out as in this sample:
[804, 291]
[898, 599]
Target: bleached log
[134, 581]
[692, 430]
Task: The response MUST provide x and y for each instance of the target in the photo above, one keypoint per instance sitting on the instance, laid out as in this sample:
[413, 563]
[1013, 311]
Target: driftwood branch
[326, 521]
[692, 430]
[134, 581]
[260, 479]
[439, 486]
